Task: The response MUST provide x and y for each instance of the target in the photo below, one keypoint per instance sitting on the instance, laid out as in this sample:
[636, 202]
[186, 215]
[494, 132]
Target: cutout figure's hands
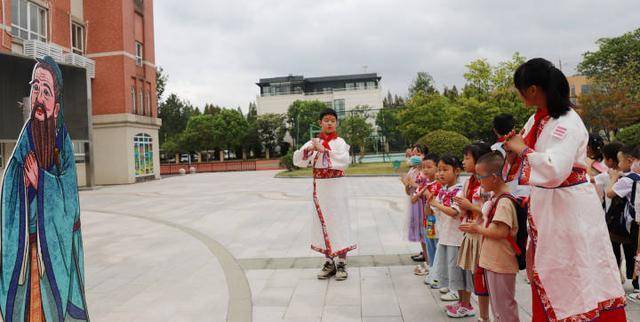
[31, 170]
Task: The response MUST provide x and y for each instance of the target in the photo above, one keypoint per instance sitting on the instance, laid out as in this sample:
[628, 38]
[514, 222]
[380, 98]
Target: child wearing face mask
[625, 184]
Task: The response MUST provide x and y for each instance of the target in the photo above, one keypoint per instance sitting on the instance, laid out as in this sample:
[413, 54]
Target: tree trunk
[177, 158]
[244, 154]
[199, 157]
[221, 155]
[267, 153]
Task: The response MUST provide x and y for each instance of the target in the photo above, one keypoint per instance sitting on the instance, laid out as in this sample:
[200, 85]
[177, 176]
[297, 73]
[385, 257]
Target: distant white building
[342, 93]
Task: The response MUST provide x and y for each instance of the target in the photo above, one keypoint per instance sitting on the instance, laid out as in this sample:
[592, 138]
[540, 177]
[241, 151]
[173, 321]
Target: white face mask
[635, 166]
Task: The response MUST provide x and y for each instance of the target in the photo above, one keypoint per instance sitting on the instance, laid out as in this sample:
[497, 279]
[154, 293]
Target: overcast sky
[215, 51]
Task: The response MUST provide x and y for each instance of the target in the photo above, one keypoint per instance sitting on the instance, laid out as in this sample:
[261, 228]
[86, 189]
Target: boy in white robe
[331, 226]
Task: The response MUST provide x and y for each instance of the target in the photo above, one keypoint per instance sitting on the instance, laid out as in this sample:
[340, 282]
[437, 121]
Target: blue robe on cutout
[52, 213]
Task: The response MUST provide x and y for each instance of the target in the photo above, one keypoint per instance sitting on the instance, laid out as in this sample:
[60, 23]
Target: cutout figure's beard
[44, 138]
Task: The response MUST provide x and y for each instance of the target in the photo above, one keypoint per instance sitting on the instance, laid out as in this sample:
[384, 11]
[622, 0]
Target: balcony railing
[323, 92]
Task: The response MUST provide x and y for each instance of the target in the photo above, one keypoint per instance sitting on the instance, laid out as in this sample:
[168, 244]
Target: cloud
[215, 51]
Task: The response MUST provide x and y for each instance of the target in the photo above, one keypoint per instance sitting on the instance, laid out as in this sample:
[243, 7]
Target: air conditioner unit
[39, 49]
[81, 61]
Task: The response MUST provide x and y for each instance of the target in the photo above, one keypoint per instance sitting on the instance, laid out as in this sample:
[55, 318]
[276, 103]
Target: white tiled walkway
[170, 250]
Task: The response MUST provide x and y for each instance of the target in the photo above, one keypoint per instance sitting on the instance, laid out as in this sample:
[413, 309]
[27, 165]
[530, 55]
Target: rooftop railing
[320, 92]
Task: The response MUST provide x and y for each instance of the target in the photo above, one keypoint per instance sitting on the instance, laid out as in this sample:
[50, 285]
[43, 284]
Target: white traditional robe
[574, 271]
[331, 220]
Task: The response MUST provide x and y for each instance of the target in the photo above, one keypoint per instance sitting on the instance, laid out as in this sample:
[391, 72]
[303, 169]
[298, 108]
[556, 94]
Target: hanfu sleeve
[302, 157]
[551, 167]
[339, 155]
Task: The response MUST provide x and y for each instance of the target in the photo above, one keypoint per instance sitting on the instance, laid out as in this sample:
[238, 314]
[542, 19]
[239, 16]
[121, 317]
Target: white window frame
[146, 141]
[133, 99]
[42, 25]
[139, 53]
[78, 29]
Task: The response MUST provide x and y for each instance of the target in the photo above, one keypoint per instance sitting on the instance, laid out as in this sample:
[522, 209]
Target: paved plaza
[234, 247]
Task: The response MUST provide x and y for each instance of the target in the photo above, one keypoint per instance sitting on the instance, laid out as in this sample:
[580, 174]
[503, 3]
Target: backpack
[519, 244]
[616, 222]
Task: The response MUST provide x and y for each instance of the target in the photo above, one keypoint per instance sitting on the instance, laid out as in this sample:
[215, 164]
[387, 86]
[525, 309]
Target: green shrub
[443, 142]
[629, 135]
[287, 161]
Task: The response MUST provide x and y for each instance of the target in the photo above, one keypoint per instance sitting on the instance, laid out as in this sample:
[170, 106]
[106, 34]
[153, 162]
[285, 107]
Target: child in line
[503, 124]
[594, 156]
[458, 281]
[603, 180]
[430, 186]
[470, 201]
[497, 255]
[412, 182]
[625, 185]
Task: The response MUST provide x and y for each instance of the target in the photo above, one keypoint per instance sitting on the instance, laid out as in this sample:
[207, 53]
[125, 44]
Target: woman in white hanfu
[331, 223]
[570, 262]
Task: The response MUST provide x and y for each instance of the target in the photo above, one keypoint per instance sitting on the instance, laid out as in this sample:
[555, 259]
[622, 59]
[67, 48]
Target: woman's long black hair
[551, 80]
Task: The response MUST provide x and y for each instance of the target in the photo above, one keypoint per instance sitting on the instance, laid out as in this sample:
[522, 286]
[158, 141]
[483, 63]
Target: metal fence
[249, 165]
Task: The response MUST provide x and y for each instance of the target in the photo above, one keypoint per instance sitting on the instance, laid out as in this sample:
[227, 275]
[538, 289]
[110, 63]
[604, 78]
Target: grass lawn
[376, 168]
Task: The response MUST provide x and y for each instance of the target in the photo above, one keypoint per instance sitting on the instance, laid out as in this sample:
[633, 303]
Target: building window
[360, 85]
[148, 106]
[371, 85]
[141, 101]
[79, 151]
[573, 91]
[338, 105]
[350, 86]
[143, 154]
[329, 104]
[585, 89]
[139, 53]
[28, 20]
[133, 99]
[77, 38]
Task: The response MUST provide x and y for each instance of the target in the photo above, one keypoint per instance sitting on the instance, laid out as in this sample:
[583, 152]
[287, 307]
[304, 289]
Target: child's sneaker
[443, 290]
[341, 272]
[461, 311]
[328, 270]
[421, 270]
[450, 297]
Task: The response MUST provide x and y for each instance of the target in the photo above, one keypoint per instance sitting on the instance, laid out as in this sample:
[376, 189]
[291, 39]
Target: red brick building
[114, 41]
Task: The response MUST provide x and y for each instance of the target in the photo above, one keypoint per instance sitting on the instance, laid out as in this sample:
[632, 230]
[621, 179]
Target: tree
[199, 135]
[451, 94]
[252, 141]
[175, 114]
[613, 101]
[388, 121]
[616, 63]
[300, 116]
[231, 129]
[422, 83]
[271, 129]
[211, 109]
[161, 82]
[355, 130]
[423, 114]
[443, 142]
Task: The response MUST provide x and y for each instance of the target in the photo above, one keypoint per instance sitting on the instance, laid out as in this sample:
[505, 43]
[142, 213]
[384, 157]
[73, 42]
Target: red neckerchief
[326, 138]
[473, 185]
[532, 137]
[502, 139]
